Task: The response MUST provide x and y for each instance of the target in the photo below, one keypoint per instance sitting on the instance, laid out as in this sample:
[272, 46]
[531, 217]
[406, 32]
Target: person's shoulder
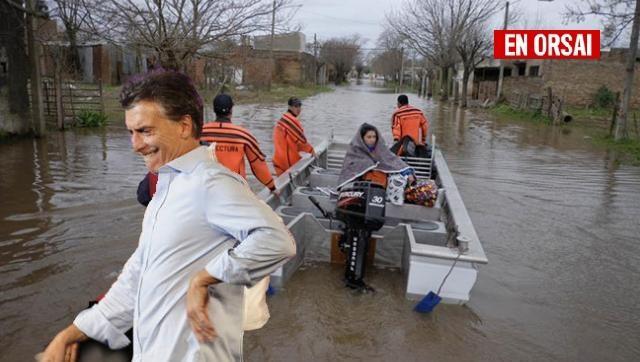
[213, 171]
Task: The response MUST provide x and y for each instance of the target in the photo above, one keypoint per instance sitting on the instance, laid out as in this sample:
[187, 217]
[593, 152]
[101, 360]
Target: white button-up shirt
[202, 216]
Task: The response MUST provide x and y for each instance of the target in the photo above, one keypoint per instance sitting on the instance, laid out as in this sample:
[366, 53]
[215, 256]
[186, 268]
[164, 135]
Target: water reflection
[559, 223]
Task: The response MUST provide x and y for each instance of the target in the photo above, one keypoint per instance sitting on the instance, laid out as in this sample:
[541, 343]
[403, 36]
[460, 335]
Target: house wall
[577, 81]
[290, 68]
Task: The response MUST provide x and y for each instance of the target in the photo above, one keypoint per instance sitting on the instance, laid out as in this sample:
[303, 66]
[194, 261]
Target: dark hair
[366, 128]
[403, 99]
[222, 104]
[294, 102]
[173, 90]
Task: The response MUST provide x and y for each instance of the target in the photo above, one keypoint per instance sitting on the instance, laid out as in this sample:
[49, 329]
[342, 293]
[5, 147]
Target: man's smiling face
[155, 137]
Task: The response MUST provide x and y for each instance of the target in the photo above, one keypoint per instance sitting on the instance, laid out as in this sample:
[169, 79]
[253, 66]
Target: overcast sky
[331, 18]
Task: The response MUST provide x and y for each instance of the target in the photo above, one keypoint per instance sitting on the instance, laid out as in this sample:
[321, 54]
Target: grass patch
[504, 112]
[279, 94]
[90, 119]
[630, 148]
[580, 113]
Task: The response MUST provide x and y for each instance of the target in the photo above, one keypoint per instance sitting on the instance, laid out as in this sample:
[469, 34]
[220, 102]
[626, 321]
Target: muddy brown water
[559, 221]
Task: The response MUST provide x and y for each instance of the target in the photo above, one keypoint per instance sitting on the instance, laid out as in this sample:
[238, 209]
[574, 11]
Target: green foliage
[630, 148]
[604, 97]
[504, 111]
[88, 118]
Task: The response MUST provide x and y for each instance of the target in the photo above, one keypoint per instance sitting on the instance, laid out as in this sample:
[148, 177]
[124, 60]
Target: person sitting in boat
[410, 128]
[369, 159]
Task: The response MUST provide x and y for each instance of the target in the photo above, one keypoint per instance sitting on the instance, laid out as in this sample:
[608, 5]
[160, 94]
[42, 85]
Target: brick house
[577, 81]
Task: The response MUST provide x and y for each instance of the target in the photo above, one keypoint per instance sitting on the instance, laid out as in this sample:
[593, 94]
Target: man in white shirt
[204, 237]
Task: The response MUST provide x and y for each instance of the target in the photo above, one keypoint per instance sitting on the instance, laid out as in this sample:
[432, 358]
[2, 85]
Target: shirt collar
[188, 162]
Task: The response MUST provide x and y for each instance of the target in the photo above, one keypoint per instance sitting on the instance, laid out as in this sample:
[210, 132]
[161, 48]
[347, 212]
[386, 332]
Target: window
[534, 71]
[522, 68]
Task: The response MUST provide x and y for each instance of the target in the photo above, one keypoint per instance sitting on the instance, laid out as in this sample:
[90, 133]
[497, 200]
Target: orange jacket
[233, 144]
[288, 140]
[409, 121]
[377, 177]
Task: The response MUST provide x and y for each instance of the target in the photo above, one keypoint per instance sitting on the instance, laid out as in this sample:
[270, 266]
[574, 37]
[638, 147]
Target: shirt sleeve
[112, 317]
[263, 241]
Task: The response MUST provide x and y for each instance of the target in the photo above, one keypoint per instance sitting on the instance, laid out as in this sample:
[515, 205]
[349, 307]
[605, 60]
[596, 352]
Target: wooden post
[550, 99]
[37, 109]
[100, 89]
[57, 82]
[614, 116]
[73, 111]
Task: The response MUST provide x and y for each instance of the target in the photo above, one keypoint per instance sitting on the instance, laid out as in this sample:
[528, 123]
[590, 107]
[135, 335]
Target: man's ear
[186, 126]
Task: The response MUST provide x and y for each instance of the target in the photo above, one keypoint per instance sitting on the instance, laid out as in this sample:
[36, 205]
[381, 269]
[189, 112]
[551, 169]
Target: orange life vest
[233, 144]
[377, 177]
[288, 141]
[409, 121]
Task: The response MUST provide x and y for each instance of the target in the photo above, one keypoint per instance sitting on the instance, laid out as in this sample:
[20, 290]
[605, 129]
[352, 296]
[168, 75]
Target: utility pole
[37, 107]
[621, 123]
[315, 59]
[401, 69]
[272, 59]
[413, 58]
[501, 75]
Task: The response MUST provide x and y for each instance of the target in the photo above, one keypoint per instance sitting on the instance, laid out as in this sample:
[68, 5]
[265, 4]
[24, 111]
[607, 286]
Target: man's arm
[260, 169]
[64, 347]
[112, 317]
[396, 130]
[264, 241]
[425, 128]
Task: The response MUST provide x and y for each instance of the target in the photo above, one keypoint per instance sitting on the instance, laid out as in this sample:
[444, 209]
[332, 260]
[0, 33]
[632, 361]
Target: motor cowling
[361, 205]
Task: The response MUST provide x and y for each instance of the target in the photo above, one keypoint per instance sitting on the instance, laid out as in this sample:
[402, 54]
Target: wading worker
[408, 123]
[233, 143]
[204, 237]
[289, 139]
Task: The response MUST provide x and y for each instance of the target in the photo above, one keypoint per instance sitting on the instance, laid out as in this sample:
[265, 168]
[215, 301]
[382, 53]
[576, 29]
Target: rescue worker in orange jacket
[409, 121]
[234, 143]
[289, 138]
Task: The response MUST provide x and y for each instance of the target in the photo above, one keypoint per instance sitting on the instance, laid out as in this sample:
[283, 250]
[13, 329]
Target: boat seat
[322, 177]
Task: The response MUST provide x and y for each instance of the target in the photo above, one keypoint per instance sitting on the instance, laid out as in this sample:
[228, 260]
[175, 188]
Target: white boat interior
[427, 244]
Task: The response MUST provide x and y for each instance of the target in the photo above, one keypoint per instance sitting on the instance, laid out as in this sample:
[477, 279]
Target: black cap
[222, 104]
[403, 99]
[294, 102]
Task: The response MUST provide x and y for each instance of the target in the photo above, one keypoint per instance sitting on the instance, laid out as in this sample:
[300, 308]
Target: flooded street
[559, 222]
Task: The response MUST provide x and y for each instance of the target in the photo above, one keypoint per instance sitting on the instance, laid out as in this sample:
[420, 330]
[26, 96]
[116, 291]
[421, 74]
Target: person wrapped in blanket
[369, 159]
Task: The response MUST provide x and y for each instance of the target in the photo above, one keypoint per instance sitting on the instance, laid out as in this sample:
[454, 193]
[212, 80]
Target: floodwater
[559, 222]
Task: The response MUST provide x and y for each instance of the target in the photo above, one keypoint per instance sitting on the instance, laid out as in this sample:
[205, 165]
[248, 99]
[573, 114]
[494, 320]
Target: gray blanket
[359, 160]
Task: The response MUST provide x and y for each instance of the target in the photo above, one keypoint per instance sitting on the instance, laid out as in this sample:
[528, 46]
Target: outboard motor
[361, 207]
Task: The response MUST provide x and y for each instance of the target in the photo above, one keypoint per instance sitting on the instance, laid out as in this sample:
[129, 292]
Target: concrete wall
[294, 42]
[290, 68]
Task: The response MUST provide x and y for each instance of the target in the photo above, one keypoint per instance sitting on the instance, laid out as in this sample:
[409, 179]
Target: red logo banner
[546, 44]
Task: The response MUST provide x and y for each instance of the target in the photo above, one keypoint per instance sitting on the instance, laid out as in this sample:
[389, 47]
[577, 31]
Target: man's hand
[197, 300]
[64, 347]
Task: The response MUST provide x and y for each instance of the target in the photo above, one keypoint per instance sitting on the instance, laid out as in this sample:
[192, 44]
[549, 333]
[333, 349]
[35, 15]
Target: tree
[616, 16]
[73, 14]
[177, 30]
[389, 61]
[434, 27]
[342, 53]
[473, 47]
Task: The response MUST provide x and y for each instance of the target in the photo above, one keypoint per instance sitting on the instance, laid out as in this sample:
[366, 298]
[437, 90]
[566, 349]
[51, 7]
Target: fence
[550, 105]
[75, 97]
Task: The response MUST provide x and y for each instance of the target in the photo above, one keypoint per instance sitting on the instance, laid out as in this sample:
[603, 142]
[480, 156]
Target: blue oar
[432, 299]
